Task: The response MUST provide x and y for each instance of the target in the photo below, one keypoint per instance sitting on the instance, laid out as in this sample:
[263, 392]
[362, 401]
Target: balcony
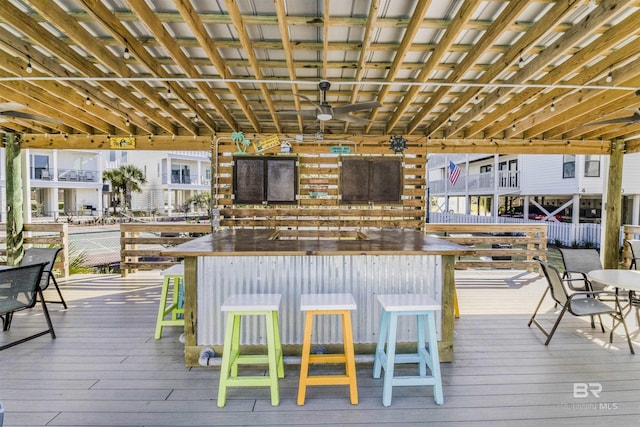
[193, 180]
[65, 175]
[481, 183]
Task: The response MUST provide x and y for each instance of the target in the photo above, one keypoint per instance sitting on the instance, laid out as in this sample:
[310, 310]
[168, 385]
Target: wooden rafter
[75, 60]
[511, 12]
[407, 39]
[288, 55]
[364, 51]
[114, 63]
[193, 20]
[245, 40]
[458, 24]
[569, 39]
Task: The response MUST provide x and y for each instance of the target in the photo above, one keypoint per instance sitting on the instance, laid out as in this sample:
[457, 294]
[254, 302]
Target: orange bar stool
[424, 308]
[175, 275]
[320, 304]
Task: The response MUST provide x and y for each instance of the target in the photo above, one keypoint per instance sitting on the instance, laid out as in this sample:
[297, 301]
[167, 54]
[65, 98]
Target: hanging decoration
[241, 142]
[398, 144]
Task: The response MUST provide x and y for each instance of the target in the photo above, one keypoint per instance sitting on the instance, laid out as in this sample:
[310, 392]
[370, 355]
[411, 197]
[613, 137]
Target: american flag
[454, 173]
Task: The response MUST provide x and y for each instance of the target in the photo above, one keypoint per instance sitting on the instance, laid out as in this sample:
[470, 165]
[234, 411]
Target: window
[592, 166]
[486, 168]
[371, 180]
[569, 166]
[264, 180]
[40, 167]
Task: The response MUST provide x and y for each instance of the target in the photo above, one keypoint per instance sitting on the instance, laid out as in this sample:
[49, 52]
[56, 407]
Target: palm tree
[113, 177]
[124, 181]
[132, 178]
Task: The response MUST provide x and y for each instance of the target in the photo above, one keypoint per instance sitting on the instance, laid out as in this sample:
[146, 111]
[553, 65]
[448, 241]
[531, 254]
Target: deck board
[106, 369]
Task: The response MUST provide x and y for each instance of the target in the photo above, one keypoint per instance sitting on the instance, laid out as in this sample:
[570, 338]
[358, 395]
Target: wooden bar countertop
[265, 242]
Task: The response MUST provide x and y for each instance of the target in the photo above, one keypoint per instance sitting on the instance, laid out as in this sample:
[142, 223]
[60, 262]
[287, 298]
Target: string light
[29, 68]
[449, 122]
[128, 123]
[87, 101]
[609, 78]
[521, 62]
[552, 108]
[126, 54]
[513, 127]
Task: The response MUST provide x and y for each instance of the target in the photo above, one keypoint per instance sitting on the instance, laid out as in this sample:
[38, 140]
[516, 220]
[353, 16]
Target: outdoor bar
[258, 261]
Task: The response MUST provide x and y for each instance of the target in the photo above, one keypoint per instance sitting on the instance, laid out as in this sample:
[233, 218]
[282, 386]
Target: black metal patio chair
[634, 245]
[19, 290]
[46, 255]
[582, 303]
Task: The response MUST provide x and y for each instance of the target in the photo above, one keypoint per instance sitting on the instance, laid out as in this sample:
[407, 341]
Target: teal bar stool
[236, 306]
[173, 277]
[424, 308]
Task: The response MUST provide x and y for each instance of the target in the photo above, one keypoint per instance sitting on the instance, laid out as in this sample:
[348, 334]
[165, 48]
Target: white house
[552, 187]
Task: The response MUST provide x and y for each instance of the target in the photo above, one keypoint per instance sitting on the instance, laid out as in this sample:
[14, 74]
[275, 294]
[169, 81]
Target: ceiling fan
[10, 111]
[631, 120]
[324, 111]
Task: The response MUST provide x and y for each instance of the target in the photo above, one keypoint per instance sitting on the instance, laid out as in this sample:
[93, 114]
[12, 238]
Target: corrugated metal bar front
[362, 276]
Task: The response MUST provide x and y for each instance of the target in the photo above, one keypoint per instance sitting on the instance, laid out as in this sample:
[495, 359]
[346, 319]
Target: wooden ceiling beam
[410, 32]
[544, 26]
[148, 17]
[67, 97]
[508, 15]
[37, 100]
[536, 124]
[192, 19]
[462, 17]
[430, 146]
[364, 52]
[603, 13]
[65, 54]
[535, 121]
[239, 26]
[112, 62]
[343, 21]
[288, 55]
[77, 118]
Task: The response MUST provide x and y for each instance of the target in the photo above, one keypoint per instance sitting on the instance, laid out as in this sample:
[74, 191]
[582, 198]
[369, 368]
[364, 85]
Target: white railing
[565, 233]
[507, 181]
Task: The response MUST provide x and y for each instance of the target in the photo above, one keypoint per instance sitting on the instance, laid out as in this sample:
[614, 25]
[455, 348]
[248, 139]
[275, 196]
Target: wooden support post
[15, 201]
[611, 240]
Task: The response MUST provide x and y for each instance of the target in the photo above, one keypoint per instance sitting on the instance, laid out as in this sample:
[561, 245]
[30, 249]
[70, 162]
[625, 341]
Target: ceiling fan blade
[27, 116]
[626, 120]
[8, 106]
[361, 121]
[307, 114]
[361, 106]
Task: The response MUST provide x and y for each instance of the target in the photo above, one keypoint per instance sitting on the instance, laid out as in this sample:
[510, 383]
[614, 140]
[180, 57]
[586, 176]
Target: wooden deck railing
[141, 244]
[44, 235]
[496, 245]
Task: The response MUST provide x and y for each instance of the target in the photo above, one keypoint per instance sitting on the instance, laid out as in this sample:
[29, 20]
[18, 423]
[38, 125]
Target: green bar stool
[237, 306]
[173, 277]
[424, 308]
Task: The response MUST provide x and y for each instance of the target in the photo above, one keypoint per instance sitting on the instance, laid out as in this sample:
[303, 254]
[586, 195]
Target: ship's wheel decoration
[241, 142]
[398, 144]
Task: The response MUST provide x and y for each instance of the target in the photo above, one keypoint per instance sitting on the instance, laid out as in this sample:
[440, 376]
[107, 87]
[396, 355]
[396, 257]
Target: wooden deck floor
[106, 369]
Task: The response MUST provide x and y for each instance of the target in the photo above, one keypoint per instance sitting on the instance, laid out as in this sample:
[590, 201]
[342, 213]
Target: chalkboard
[248, 180]
[371, 180]
[261, 179]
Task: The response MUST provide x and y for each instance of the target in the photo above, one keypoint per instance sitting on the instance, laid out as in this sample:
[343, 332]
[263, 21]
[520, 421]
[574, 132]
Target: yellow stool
[315, 304]
[176, 274]
[236, 306]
